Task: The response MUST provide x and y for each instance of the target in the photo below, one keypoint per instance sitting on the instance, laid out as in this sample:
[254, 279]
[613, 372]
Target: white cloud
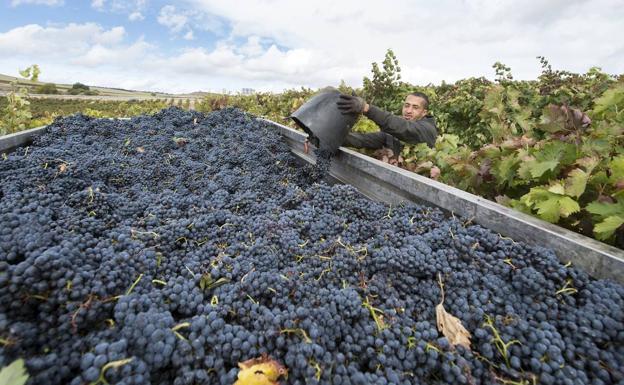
[68, 41]
[277, 44]
[15, 3]
[133, 8]
[101, 55]
[253, 46]
[135, 16]
[98, 4]
[111, 37]
[434, 41]
[185, 20]
[172, 19]
[86, 45]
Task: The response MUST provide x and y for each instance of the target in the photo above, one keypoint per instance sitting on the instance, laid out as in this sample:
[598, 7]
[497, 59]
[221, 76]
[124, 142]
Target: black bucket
[321, 119]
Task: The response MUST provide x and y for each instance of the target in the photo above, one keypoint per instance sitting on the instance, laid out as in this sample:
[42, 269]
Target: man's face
[414, 108]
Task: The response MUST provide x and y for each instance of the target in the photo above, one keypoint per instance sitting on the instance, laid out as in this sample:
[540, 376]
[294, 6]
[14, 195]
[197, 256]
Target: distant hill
[5, 86]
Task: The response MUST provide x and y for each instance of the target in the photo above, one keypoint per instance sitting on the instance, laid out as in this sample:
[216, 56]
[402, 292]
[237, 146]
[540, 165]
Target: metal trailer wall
[383, 182]
[390, 184]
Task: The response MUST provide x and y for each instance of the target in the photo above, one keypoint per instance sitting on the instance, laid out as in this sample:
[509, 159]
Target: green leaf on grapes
[14, 374]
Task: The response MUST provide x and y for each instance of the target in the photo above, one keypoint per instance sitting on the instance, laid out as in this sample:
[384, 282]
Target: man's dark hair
[423, 96]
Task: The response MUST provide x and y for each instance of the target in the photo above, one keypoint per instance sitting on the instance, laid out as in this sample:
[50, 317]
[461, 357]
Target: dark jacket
[409, 131]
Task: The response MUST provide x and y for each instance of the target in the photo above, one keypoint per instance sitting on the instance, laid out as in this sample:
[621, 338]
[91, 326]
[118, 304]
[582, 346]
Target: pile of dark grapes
[165, 249]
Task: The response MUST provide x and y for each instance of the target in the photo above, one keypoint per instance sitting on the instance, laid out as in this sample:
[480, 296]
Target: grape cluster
[168, 248]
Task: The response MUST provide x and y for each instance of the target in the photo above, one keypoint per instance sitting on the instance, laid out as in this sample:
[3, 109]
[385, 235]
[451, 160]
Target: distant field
[5, 86]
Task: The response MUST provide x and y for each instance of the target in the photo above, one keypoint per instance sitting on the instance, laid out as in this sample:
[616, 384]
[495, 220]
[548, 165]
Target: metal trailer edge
[386, 183]
[390, 184]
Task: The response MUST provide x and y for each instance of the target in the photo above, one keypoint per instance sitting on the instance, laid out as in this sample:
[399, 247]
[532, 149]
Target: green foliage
[14, 374]
[610, 106]
[503, 114]
[503, 73]
[80, 86]
[385, 86]
[551, 203]
[48, 88]
[81, 89]
[16, 114]
[457, 108]
[567, 88]
[45, 110]
[344, 88]
[557, 169]
[17, 111]
[365, 125]
[609, 218]
[276, 107]
[31, 73]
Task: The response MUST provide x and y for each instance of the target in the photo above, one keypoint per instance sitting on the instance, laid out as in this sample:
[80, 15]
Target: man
[414, 126]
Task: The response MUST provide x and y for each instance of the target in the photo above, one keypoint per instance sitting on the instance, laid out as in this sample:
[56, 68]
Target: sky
[273, 45]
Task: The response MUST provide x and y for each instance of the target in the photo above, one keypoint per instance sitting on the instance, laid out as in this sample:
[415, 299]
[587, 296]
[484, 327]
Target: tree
[79, 88]
[31, 73]
[48, 88]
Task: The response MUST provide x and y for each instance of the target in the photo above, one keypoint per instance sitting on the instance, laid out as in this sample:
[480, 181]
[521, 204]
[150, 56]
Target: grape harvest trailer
[188, 248]
[383, 182]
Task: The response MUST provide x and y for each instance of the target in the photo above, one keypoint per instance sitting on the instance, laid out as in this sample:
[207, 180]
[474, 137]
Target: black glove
[348, 104]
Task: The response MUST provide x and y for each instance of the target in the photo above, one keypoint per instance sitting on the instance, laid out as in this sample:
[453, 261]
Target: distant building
[247, 91]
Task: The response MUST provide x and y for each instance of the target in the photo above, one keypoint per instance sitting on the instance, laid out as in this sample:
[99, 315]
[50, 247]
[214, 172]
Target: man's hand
[348, 104]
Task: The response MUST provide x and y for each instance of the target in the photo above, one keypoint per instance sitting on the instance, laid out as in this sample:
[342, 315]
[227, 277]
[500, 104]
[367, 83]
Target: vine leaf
[550, 203]
[506, 170]
[524, 170]
[563, 118]
[557, 188]
[605, 229]
[606, 209]
[548, 210]
[576, 182]
[449, 325]
[14, 374]
[588, 163]
[550, 157]
[539, 168]
[260, 371]
[611, 216]
[616, 166]
[606, 106]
